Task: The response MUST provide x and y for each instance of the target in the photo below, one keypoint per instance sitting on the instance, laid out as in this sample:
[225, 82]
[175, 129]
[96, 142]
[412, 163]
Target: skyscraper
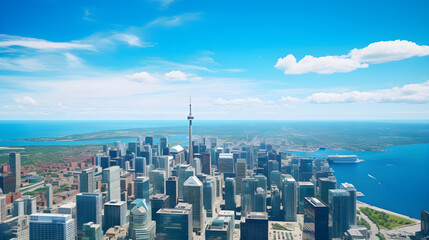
[255, 226]
[175, 223]
[18, 207]
[260, 200]
[230, 194]
[163, 143]
[149, 140]
[208, 197]
[15, 167]
[352, 202]
[290, 199]
[206, 164]
[316, 220]
[193, 194]
[219, 229]
[141, 188]
[30, 204]
[140, 165]
[89, 208]
[326, 184]
[157, 178]
[92, 231]
[275, 204]
[241, 173]
[3, 207]
[305, 189]
[141, 224]
[226, 164]
[49, 196]
[184, 172]
[172, 190]
[112, 177]
[114, 214]
[248, 188]
[86, 180]
[339, 210]
[190, 118]
[51, 227]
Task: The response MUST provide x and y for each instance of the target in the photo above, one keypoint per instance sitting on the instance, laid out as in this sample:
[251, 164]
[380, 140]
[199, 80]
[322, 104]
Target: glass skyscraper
[339, 210]
[290, 199]
[230, 194]
[316, 220]
[89, 208]
[51, 227]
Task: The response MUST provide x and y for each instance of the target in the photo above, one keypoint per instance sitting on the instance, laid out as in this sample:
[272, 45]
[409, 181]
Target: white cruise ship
[344, 159]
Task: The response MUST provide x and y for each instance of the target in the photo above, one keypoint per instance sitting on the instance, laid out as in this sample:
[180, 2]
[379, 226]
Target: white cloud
[175, 20]
[181, 76]
[131, 39]
[378, 52]
[242, 102]
[23, 64]
[410, 93]
[142, 77]
[26, 100]
[235, 70]
[73, 60]
[41, 44]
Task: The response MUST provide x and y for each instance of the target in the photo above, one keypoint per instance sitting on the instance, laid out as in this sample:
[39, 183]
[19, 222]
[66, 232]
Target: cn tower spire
[190, 118]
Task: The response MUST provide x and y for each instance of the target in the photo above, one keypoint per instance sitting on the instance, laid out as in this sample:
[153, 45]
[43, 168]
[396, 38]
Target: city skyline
[242, 60]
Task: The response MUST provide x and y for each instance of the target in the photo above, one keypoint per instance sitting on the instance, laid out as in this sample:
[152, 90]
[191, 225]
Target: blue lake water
[396, 179]
[399, 179]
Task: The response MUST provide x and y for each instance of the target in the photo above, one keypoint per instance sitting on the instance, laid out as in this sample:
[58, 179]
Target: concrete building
[30, 204]
[15, 167]
[51, 227]
[86, 180]
[18, 207]
[193, 194]
[49, 196]
[112, 176]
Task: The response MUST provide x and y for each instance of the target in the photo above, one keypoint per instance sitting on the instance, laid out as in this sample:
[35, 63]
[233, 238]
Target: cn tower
[190, 118]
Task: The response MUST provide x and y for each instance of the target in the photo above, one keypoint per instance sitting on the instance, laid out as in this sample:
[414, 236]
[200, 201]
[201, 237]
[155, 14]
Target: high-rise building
[86, 180]
[141, 224]
[51, 227]
[254, 226]
[352, 202]
[92, 231]
[30, 204]
[230, 194]
[171, 190]
[89, 208]
[184, 172]
[326, 184]
[339, 219]
[49, 196]
[140, 167]
[226, 164]
[305, 169]
[163, 143]
[261, 182]
[290, 199]
[219, 229]
[260, 200]
[7, 183]
[241, 173]
[141, 188]
[275, 203]
[149, 140]
[206, 164]
[15, 167]
[305, 189]
[112, 176]
[18, 207]
[157, 178]
[316, 220]
[276, 179]
[208, 197]
[157, 202]
[165, 163]
[105, 162]
[115, 214]
[147, 154]
[248, 188]
[175, 223]
[193, 194]
[3, 208]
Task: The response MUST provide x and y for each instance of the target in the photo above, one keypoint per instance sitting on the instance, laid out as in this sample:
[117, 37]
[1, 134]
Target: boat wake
[369, 175]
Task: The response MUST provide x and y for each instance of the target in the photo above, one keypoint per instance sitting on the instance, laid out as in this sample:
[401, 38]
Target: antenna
[190, 105]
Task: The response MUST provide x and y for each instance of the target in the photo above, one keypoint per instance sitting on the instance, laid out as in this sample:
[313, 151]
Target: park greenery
[362, 222]
[277, 226]
[384, 220]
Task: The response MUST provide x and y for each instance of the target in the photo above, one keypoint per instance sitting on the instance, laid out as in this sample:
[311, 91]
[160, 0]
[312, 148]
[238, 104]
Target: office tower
[49, 196]
[273, 165]
[132, 147]
[141, 224]
[112, 177]
[193, 194]
[276, 179]
[208, 197]
[226, 164]
[178, 154]
[326, 184]
[171, 190]
[105, 162]
[352, 202]
[230, 194]
[206, 164]
[140, 165]
[157, 178]
[7, 183]
[149, 141]
[316, 220]
[51, 227]
[15, 167]
[89, 208]
[305, 169]
[248, 188]
[290, 199]
[147, 154]
[141, 188]
[305, 189]
[3, 207]
[92, 231]
[424, 224]
[69, 208]
[163, 143]
[254, 226]
[18, 207]
[275, 203]
[219, 229]
[261, 182]
[115, 214]
[241, 173]
[30, 204]
[184, 172]
[197, 165]
[157, 202]
[339, 212]
[86, 180]
[175, 223]
[165, 163]
[260, 200]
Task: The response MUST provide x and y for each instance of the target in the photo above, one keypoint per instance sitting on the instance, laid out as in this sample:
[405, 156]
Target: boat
[344, 159]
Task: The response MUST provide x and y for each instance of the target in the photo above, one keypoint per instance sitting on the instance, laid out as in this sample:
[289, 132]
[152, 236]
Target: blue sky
[238, 59]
